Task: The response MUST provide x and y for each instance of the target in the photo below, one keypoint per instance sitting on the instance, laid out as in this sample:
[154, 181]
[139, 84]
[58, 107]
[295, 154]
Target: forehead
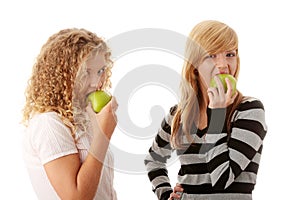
[96, 60]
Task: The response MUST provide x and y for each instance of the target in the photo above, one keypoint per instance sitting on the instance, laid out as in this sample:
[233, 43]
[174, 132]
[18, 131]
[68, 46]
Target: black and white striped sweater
[217, 165]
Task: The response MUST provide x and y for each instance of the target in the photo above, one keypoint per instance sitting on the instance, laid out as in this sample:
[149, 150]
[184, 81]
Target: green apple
[99, 99]
[222, 78]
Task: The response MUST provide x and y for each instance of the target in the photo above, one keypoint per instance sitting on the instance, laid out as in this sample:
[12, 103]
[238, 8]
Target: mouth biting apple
[99, 99]
[222, 78]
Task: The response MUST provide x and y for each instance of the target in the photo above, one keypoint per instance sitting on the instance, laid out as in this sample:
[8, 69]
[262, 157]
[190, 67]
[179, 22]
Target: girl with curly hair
[217, 133]
[66, 144]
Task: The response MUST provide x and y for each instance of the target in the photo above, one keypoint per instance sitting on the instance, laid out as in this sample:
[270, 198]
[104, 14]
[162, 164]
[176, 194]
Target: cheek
[233, 68]
[84, 85]
[206, 70]
[205, 75]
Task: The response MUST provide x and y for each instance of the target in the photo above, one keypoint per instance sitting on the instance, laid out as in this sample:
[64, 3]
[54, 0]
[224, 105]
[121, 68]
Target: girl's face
[220, 63]
[95, 73]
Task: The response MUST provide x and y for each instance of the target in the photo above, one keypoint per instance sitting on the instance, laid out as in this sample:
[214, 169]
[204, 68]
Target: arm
[72, 179]
[230, 155]
[156, 160]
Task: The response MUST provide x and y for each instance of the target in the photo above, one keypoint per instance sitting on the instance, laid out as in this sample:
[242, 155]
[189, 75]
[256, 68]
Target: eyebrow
[91, 67]
[230, 51]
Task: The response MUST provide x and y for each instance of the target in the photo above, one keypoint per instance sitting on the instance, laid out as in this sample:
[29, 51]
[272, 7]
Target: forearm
[88, 178]
[156, 160]
[73, 179]
[231, 154]
[90, 172]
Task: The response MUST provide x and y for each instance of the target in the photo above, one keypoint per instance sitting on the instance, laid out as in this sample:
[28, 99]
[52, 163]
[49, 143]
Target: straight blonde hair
[207, 37]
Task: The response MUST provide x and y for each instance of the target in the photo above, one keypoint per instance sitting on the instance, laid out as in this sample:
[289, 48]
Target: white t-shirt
[47, 138]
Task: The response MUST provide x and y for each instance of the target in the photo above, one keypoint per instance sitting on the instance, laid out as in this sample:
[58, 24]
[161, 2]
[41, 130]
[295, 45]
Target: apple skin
[222, 78]
[99, 99]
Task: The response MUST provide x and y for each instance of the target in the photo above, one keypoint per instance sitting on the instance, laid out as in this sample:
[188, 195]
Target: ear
[196, 72]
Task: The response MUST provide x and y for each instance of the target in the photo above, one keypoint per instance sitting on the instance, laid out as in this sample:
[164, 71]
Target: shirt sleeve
[231, 154]
[51, 138]
[156, 160]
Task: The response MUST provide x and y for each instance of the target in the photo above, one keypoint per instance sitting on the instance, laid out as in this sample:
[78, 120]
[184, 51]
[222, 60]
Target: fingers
[174, 196]
[178, 188]
[177, 192]
[111, 106]
[220, 88]
[106, 120]
[220, 96]
[114, 104]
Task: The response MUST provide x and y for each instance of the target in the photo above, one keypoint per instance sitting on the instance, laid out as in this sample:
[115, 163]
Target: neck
[202, 120]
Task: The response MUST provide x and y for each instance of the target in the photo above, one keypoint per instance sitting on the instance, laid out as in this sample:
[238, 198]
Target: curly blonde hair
[60, 62]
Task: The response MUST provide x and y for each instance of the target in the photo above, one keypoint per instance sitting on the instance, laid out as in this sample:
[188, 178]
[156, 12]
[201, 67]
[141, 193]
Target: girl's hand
[106, 120]
[217, 96]
[177, 192]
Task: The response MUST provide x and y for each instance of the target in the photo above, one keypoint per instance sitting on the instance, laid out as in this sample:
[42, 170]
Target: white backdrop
[269, 46]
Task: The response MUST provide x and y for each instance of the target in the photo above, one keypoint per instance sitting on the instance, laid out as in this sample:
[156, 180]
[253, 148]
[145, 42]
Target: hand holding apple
[222, 78]
[99, 99]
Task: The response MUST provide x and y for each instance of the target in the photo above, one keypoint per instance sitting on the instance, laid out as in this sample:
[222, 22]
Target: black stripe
[217, 161]
[197, 189]
[165, 195]
[165, 126]
[162, 143]
[252, 167]
[221, 141]
[196, 148]
[236, 168]
[260, 149]
[250, 105]
[221, 183]
[156, 173]
[250, 125]
[200, 133]
[173, 110]
[199, 168]
[242, 147]
[235, 187]
[222, 158]
[200, 148]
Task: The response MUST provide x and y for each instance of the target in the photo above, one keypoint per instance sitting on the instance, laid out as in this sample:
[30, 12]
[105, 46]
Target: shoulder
[250, 109]
[173, 110]
[46, 124]
[45, 117]
[49, 137]
[249, 103]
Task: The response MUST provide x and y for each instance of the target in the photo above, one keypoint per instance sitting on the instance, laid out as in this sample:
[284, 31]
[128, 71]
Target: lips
[223, 72]
[90, 91]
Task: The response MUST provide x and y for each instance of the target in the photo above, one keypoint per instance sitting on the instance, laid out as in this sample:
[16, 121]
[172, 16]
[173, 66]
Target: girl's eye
[230, 54]
[210, 56]
[101, 71]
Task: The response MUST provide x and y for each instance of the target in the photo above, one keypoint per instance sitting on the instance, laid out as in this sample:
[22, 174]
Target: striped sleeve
[227, 160]
[156, 160]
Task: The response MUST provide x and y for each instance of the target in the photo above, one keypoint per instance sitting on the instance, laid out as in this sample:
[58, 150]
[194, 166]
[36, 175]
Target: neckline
[199, 132]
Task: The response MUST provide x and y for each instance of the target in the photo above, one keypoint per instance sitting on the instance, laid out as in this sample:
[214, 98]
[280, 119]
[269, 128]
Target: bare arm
[72, 179]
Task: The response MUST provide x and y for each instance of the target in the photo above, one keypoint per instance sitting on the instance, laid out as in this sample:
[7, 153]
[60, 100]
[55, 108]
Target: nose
[98, 81]
[221, 63]
[101, 80]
